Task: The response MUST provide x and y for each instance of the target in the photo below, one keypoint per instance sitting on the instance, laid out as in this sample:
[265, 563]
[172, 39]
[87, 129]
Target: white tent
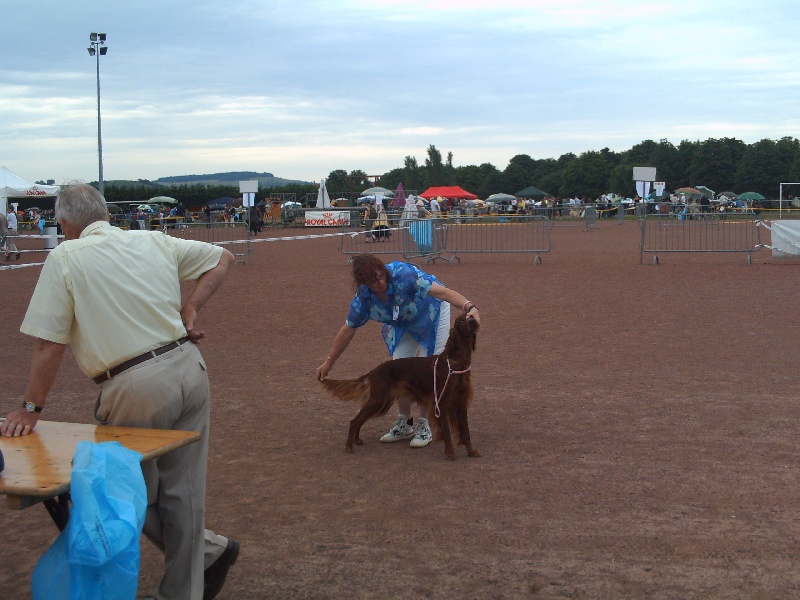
[323, 200]
[14, 186]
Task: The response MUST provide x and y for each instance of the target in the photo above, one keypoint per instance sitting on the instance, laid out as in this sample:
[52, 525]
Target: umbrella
[291, 204]
[531, 192]
[399, 196]
[750, 196]
[707, 192]
[728, 194]
[323, 200]
[689, 191]
[378, 190]
[500, 198]
[162, 200]
[654, 195]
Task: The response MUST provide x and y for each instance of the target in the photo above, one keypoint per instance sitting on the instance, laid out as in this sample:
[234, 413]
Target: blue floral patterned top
[408, 307]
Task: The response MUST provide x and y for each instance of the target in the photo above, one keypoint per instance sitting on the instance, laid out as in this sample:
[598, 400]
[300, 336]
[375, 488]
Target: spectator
[150, 371]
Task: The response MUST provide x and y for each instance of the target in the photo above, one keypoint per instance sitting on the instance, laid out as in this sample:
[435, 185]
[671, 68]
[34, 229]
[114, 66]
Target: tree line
[725, 164]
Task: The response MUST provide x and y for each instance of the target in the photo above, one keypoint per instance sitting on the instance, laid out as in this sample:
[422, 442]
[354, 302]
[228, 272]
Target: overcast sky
[299, 88]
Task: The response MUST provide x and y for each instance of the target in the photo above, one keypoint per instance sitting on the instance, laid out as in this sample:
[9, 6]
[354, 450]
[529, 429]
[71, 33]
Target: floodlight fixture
[97, 48]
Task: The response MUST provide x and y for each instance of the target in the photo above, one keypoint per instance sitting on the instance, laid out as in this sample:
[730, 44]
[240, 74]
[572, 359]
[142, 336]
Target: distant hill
[265, 180]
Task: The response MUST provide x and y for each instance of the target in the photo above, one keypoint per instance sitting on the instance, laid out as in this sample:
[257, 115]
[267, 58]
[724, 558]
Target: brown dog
[449, 372]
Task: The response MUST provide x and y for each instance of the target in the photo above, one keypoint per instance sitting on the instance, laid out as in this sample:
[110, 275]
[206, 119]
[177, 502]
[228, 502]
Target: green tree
[587, 176]
[520, 173]
[714, 163]
[469, 177]
[434, 168]
[412, 178]
[337, 182]
[620, 180]
[359, 180]
[391, 179]
[663, 155]
[493, 181]
[449, 170]
[766, 164]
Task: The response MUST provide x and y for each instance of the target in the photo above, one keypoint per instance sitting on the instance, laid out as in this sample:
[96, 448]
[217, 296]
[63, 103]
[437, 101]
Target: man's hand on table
[19, 422]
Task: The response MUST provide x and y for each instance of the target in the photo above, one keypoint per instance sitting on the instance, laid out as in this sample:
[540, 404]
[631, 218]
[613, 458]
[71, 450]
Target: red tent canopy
[447, 191]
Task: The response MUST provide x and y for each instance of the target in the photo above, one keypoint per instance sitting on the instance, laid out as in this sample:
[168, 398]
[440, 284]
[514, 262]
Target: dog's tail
[348, 389]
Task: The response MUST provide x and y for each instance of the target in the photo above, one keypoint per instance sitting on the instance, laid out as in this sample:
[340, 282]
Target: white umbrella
[499, 197]
[162, 200]
[378, 190]
[323, 200]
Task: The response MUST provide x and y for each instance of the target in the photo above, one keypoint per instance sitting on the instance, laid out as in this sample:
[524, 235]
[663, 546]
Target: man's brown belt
[137, 360]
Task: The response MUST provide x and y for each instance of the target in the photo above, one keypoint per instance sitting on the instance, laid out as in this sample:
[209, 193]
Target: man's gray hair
[80, 205]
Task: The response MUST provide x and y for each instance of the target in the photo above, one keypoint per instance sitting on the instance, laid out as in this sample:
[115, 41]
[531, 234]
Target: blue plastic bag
[97, 556]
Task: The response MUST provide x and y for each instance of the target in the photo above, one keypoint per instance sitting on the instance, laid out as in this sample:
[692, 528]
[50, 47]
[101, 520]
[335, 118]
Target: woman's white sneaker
[401, 430]
[422, 434]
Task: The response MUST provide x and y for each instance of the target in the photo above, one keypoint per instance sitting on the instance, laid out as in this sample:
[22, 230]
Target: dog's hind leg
[368, 411]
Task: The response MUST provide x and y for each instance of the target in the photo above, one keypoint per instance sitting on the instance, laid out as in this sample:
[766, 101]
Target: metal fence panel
[235, 236]
[412, 238]
[563, 215]
[361, 237]
[709, 232]
[424, 238]
[513, 233]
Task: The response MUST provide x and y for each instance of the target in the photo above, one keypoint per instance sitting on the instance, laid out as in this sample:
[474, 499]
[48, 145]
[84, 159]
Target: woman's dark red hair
[365, 267]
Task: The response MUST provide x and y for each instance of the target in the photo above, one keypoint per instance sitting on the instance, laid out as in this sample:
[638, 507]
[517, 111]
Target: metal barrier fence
[513, 233]
[29, 244]
[707, 232]
[233, 236]
[413, 238]
[562, 215]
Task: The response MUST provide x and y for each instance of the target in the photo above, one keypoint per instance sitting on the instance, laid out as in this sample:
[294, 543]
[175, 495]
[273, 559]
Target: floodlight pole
[97, 46]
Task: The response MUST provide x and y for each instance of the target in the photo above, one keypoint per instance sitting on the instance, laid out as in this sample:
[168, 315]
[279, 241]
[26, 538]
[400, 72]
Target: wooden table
[39, 465]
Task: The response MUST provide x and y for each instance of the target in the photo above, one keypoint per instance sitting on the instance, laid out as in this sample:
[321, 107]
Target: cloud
[300, 88]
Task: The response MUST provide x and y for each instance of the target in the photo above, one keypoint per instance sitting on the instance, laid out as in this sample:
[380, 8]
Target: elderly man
[114, 296]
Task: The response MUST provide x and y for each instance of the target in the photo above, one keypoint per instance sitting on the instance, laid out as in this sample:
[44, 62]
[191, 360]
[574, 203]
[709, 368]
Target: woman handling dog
[414, 308]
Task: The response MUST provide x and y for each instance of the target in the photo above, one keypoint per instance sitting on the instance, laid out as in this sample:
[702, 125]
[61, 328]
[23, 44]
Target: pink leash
[450, 371]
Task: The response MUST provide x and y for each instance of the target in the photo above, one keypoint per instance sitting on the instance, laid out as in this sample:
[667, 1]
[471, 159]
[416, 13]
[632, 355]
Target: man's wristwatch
[31, 407]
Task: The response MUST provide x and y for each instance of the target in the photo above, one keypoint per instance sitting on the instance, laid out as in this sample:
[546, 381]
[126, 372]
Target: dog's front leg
[444, 432]
[463, 433]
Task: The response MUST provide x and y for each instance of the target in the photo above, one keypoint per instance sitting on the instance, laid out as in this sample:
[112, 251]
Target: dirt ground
[638, 424]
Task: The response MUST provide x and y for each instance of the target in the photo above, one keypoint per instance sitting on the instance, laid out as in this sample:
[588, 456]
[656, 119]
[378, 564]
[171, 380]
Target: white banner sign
[327, 218]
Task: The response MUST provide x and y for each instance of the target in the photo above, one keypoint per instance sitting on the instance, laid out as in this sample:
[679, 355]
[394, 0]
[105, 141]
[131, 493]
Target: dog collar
[450, 371]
